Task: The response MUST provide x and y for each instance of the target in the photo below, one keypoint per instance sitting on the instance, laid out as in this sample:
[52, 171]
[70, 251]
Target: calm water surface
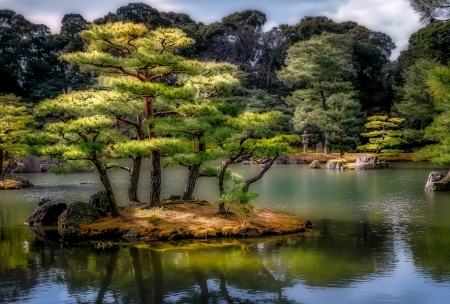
[379, 238]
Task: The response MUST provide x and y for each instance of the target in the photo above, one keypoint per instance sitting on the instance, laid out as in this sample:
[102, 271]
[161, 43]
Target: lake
[379, 238]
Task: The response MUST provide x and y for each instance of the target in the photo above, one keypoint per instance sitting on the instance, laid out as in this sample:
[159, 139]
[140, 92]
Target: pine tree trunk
[106, 183]
[258, 177]
[220, 178]
[327, 143]
[134, 179]
[2, 171]
[155, 180]
[193, 173]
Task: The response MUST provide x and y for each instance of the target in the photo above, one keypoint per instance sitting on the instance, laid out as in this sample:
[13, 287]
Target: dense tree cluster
[142, 83]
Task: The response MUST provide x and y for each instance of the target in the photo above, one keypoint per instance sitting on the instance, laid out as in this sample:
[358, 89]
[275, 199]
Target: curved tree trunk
[107, 184]
[257, 177]
[193, 173]
[155, 180]
[220, 177]
[134, 179]
[2, 171]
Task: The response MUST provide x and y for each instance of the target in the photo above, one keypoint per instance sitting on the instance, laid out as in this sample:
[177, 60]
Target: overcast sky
[393, 17]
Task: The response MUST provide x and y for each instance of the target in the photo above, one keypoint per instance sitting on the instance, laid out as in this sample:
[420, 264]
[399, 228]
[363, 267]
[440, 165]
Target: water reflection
[379, 237]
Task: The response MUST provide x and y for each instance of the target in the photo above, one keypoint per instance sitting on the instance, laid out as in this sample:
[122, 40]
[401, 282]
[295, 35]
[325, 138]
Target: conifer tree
[133, 59]
[15, 123]
[384, 136]
[319, 67]
[344, 121]
[84, 134]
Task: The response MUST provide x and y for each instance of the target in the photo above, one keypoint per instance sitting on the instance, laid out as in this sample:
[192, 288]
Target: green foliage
[343, 120]
[384, 138]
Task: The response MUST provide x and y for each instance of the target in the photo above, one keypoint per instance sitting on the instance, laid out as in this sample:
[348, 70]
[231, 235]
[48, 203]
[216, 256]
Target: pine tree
[15, 123]
[344, 120]
[320, 68]
[132, 59]
[384, 137]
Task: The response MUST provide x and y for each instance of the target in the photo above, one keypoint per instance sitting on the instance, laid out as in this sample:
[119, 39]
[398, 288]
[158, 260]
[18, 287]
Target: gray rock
[49, 164]
[366, 159]
[100, 200]
[33, 163]
[20, 168]
[437, 182]
[78, 214]
[314, 165]
[365, 166]
[296, 161]
[245, 163]
[281, 160]
[319, 148]
[132, 233]
[24, 180]
[47, 214]
[332, 165]
[44, 200]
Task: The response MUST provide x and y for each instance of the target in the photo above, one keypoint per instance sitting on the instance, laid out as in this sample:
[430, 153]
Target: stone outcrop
[314, 165]
[44, 200]
[245, 163]
[24, 181]
[336, 165]
[32, 164]
[100, 201]
[296, 161]
[19, 182]
[46, 214]
[370, 163]
[437, 182]
[281, 160]
[78, 214]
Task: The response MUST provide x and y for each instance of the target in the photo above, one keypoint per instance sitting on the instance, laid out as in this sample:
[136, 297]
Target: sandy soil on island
[194, 220]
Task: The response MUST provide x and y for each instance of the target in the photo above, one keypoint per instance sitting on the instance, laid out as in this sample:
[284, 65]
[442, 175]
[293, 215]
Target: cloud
[394, 17]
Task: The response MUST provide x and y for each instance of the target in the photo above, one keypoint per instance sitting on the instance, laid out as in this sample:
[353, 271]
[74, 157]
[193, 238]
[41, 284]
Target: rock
[44, 200]
[71, 234]
[335, 165]
[132, 233]
[370, 163]
[20, 168]
[281, 160]
[319, 148]
[296, 161]
[245, 163]
[25, 181]
[47, 214]
[78, 214]
[437, 182]
[48, 164]
[365, 166]
[366, 159]
[100, 200]
[314, 165]
[33, 163]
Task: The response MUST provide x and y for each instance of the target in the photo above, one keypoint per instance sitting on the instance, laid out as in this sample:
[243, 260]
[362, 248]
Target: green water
[378, 238]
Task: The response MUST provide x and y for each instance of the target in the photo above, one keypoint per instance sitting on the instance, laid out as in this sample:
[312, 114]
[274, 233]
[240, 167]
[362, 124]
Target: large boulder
[100, 201]
[46, 214]
[296, 161]
[282, 159]
[335, 165]
[44, 200]
[25, 181]
[314, 165]
[48, 164]
[245, 163]
[370, 163]
[78, 214]
[437, 182]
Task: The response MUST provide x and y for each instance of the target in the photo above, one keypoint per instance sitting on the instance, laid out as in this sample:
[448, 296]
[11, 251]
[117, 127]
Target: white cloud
[393, 17]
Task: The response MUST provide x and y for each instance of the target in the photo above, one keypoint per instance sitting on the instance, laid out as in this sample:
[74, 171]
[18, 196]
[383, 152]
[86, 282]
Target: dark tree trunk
[220, 178]
[134, 179]
[155, 180]
[134, 252]
[158, 278]
[261, 174]
[2, 171]
[107, 184]
[107, 279]
[193, 173]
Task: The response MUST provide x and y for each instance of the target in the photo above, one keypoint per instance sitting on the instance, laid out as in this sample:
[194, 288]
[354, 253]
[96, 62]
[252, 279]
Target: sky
[393, 17]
